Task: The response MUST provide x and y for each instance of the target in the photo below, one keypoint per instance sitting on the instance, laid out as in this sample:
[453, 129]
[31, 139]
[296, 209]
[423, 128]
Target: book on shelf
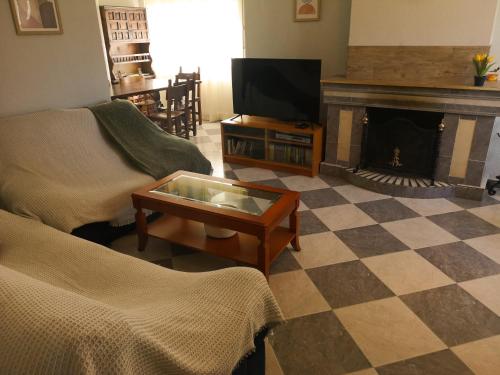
[293, 137]
[290, 154]
[239, 147]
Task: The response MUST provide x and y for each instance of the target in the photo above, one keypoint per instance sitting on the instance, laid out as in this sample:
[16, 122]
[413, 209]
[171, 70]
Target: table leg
[264, 261]
[295, 226]
[142, 229]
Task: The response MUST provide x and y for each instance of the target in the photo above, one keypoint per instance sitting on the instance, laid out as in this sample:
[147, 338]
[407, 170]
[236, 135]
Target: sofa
[69, 170]
[70, 306]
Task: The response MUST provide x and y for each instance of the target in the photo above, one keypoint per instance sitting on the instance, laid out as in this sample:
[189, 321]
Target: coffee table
[188, 200]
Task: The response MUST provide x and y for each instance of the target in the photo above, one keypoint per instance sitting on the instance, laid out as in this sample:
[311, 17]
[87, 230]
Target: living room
[322, 200]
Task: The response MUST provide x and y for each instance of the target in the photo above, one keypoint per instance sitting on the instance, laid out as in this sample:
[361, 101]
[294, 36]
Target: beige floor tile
[388, 331]
[355, 194]
[303, 183]
[254, 174]
[419, 232]
[406, 272]
[345, 216]
[488, 245]
[489, 213]
[155, 250]
[272, 364]
[428, 207]
[369, 371]
[296, 294]
[209, 147]
[482, 356]
[322, 249]
[200, 262]
[486, 290]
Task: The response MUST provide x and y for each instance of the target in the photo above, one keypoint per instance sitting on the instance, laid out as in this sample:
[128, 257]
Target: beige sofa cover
[69, 306]
[58, 167]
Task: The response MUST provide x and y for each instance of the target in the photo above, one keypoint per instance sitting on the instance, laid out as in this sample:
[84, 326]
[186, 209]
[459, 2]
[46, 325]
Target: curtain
[198, 33]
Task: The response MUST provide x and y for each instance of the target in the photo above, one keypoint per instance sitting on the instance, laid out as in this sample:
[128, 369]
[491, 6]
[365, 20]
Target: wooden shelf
[284, 141]
[126, 35]
[244, 136]
[270, 126]
[241, 247]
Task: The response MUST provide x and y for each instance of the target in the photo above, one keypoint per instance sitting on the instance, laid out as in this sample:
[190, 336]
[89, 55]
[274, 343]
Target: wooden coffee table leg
[295, 226]
[264, 254]
[142, 229]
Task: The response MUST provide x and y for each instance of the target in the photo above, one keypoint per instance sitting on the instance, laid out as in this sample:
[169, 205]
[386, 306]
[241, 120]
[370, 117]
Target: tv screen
[284, 89]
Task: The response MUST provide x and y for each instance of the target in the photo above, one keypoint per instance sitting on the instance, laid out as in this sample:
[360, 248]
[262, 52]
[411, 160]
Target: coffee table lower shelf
[242, 247]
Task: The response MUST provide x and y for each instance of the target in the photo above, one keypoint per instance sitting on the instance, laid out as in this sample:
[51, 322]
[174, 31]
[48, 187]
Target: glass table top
[219, 194]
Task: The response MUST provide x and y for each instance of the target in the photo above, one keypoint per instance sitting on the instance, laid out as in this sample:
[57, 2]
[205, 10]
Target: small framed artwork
[307, 10]
[33, 17]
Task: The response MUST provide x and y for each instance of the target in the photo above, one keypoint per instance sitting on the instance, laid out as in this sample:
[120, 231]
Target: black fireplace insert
[401, 142]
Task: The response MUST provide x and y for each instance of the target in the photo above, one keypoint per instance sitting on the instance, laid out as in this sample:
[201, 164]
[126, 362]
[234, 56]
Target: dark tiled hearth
[389, 289]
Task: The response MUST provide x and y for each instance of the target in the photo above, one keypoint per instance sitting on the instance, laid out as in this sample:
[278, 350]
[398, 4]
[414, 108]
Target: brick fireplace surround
[469, 119]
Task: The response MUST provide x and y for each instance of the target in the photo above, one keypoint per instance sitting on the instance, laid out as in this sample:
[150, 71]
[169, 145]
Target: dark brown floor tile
[179, 250]
[230, 175]
[167, 263]
[284, 263]
[387, 210]
[310, 224]
[333, 180]
[460, 261]
[348, 283]
[283, 174]
[371, 240]
[439, 363]
[464, 225]
[322, 198]
[453, 314]
[468, 203]
[275, 183]
[316, 344]
[237, 166]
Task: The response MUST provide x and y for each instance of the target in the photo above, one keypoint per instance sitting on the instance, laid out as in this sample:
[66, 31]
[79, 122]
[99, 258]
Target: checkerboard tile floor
[383, 285]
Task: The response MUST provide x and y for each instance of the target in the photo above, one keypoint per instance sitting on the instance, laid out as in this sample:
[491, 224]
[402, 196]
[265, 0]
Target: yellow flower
[491, 59]
[478, 57]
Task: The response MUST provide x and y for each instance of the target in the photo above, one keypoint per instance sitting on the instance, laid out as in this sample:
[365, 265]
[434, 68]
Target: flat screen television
[284, 89]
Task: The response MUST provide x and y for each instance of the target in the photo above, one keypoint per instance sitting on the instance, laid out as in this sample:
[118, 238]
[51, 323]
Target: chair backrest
[185, 76]
[177, 95]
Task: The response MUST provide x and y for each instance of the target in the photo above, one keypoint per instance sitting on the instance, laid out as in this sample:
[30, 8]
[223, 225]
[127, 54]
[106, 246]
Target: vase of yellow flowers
[482, 63]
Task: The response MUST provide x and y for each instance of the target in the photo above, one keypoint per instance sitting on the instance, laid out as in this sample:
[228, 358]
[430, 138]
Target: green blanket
[148, 147]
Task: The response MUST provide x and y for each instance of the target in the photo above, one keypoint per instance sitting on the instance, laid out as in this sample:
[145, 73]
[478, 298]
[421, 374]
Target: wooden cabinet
[126, 36]
[273, 144]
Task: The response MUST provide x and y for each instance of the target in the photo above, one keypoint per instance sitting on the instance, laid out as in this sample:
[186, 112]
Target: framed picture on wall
[36, 17]
[307, 10]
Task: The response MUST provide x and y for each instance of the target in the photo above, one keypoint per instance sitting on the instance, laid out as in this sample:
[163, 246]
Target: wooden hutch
[126, 36]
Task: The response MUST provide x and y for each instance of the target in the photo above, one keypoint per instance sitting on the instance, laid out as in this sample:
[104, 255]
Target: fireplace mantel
[469, 115]
[428, 96]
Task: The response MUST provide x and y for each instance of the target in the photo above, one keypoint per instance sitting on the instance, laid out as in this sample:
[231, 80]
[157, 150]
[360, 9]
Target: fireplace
[401, 142]
[412, 140]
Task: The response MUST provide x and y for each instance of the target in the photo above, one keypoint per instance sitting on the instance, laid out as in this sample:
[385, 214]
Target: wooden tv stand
[272, 144]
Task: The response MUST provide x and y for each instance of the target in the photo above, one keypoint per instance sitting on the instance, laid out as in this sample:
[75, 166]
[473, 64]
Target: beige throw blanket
[68, 306]
[58, 167]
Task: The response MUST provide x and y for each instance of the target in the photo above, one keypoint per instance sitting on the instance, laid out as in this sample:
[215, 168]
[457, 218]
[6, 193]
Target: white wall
[270, 31]
[53, 71]
[126, 3]
[422, 22]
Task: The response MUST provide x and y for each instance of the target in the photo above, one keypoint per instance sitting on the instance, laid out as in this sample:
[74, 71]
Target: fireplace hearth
[401, 142]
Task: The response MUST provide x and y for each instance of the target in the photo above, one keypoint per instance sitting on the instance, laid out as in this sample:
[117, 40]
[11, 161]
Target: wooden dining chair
[174, 117]
[196, 77]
